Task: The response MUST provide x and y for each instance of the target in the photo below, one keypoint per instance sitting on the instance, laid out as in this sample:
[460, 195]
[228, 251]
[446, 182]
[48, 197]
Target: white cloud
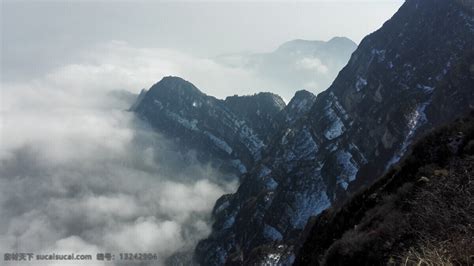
[147, 233]
[119, 65]
[78, 173]
[312, 64]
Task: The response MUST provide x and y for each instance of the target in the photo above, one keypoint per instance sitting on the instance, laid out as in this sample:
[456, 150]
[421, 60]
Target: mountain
[297, 64]
[420, 211]
[259, 111]
[297, 107]
[230, 133]
[413, 74]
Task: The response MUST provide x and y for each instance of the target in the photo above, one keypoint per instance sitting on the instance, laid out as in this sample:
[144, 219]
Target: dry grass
[427, 256]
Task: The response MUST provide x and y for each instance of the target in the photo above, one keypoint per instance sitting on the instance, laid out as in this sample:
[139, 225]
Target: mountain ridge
[235, 130]
[355, 130]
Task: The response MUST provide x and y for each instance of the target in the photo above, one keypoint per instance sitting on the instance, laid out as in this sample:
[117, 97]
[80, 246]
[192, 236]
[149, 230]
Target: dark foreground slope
[422, 209]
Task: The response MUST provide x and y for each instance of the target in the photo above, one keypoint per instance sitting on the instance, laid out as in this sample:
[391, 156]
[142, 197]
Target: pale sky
[39, 35]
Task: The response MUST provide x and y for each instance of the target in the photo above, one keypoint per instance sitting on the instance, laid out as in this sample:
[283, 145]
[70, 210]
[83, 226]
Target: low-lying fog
[78, 173]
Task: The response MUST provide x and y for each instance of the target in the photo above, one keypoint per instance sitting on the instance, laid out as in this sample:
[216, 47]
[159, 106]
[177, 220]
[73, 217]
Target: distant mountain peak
[342, 40]
[302, 101]
[177, 84]
[298, 106]
[173, 79]
[315, 44]
[302, 94]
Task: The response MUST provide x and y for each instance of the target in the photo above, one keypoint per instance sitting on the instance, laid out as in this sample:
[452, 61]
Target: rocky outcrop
[298, 107]
[259, 111]
[230, 134]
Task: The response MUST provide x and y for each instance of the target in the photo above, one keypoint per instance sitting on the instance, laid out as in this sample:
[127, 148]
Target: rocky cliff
[230, 133]
[409, 76]
[420, 212]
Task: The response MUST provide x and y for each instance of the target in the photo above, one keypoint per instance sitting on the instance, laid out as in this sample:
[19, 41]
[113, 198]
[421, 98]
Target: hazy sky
[39, 35]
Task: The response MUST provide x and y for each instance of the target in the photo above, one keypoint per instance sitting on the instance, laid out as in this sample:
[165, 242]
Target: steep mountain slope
[230, 133]
[297, 64]
[258, 111]
[298, 107]
[391, 91]
[420, 210]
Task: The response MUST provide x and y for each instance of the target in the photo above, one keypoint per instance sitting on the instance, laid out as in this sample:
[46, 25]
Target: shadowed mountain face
[297, 64]
[402, 80]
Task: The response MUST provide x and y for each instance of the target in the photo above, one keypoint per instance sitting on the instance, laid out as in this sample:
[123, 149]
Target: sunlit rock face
[401, 81]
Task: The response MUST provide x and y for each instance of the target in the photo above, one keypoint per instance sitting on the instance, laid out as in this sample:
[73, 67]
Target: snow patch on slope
[380, 55]
[468, 19]
[239, 165]
[349, 168]
[270, 183]
[253, 143]
[307, 204]
[360, 83]
[415, 120]
[271, 233]
[221, 144]
[264, 171]
[336, 128]
[425, 88]
[191, 125]
[305, 146]
[223, 206]
[229, 222]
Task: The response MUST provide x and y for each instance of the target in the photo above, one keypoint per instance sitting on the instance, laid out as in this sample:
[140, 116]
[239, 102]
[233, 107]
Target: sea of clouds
[79, 173]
